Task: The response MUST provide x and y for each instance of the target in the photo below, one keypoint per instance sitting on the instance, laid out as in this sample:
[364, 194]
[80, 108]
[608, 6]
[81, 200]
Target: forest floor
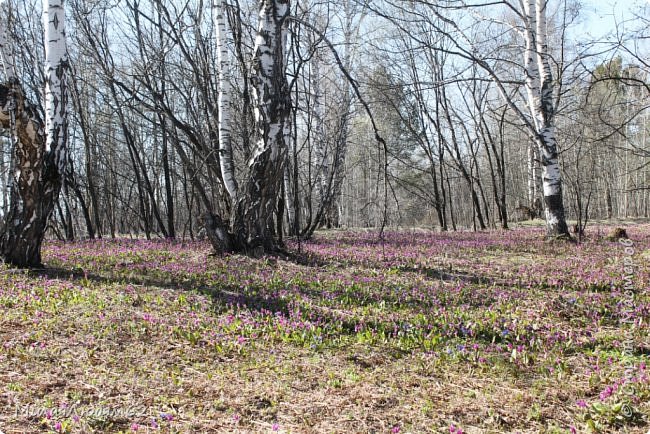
[491, 332]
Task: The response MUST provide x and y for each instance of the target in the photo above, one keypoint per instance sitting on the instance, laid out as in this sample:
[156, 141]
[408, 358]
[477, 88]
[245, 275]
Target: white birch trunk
[6, 51]
[290, 194]
[530, 64]
[531, 176]
[252, 226]
[539, 87]
[56, 61]
[320, 151]
[269, 62]
[225, 90]
[254, 220]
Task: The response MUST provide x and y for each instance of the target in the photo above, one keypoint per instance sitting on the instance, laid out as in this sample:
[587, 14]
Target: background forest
[445, 84]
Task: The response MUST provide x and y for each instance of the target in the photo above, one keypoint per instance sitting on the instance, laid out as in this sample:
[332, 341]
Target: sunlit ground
[425, 332]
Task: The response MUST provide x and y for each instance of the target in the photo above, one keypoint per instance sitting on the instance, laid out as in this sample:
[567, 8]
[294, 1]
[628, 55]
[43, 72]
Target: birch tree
[540, 92]
[40, 147]
[56, 62]
[252, 224]
[225, 112]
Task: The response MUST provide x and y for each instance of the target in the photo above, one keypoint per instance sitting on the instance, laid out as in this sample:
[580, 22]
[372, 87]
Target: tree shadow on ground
[448, 276]
[221, 296]
[312, 259]
[259, 298]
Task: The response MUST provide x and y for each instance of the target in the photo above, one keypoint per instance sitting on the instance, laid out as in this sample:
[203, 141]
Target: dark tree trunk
[72, 183]
[36, 181]
[169, 194]
[66, 218]
[451, 206]
[91, 215]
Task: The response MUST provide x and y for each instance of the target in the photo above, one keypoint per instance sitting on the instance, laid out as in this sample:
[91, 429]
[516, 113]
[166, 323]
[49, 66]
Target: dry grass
[479, 333]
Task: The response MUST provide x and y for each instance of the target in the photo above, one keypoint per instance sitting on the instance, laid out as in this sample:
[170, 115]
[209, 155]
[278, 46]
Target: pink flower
[395, 429]
[58, 427]
[275, 427]
[581, 403]
[609, 390]
[135, 427]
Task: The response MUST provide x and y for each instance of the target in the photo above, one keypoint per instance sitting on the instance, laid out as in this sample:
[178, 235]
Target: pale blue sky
[599, 17]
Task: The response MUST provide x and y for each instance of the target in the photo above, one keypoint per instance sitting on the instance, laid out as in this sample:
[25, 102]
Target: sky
[601, 16]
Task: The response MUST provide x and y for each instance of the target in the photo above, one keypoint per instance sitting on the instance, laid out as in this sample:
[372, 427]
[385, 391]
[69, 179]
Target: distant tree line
[253, 121]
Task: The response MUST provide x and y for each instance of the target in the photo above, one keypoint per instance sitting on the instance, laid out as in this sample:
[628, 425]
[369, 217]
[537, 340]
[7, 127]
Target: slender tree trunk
[503, 205]
[289, 196]
[66, 216]
[539, 86]
[226, 163]
[338, 170]
[532, 182]
[295, 202]
[169, 194]
[72, 183]
[320, 149]
[94, 211]
[493, 175]
[451, 205]
[441, 161]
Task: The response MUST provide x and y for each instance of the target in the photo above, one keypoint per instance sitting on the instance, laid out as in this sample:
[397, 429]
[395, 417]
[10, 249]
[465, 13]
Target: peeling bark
[256, 211]
[36, 181]
[40, 148]
[252, 224]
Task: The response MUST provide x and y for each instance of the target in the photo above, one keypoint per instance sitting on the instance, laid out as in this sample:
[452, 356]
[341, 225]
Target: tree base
[21, 249]
[224, 241]
[560, 238]
[217, 232]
